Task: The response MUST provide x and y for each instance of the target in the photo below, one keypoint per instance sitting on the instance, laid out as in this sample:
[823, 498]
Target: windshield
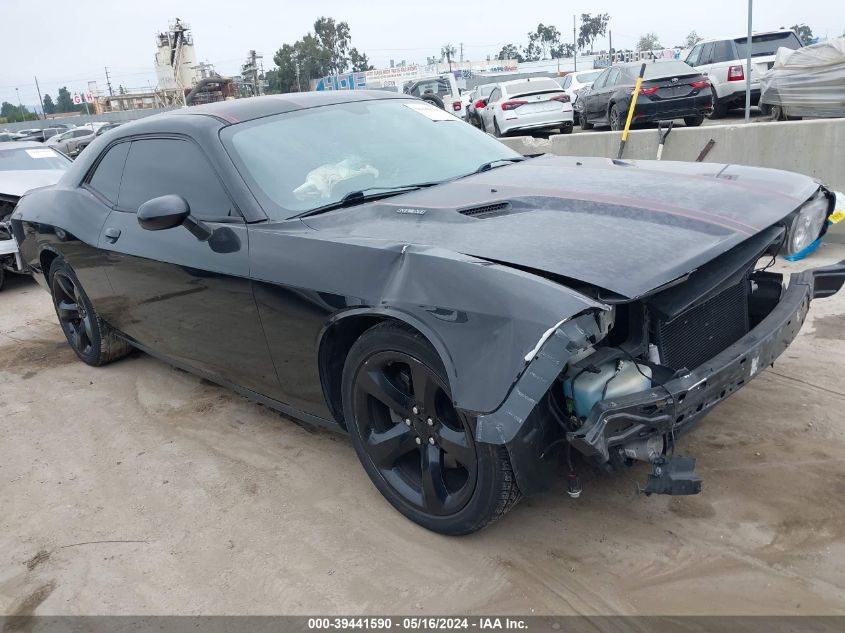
[535, 85]
[32, 158]
[769, 44]
[586, 78]
[302, 160]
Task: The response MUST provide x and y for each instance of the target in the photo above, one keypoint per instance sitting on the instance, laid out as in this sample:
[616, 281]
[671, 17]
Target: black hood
[628, 227]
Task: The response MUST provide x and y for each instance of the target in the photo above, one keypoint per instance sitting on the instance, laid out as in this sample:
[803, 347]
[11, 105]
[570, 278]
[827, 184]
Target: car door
[602, 96]
[187, 299]
[592, 97]
[488, 112]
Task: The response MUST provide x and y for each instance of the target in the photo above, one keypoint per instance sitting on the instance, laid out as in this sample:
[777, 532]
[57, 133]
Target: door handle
[112, 235]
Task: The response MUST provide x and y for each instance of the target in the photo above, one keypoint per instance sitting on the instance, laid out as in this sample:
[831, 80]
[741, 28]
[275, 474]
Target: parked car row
[66, 139]
[522, 105]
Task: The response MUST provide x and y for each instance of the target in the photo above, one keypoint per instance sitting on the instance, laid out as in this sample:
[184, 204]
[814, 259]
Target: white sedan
[525, 105]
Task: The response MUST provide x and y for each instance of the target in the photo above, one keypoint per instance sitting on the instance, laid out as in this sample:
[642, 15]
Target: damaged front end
[621, 386]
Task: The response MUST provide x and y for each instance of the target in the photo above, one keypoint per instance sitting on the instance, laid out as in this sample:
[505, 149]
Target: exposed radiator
[704, 330]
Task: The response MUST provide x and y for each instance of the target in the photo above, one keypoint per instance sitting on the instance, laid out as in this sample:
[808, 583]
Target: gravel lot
[139, 489]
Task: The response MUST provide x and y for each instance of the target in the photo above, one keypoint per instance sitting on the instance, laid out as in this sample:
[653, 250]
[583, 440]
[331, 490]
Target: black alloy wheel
[615, 119]
[418, 449]
[93, 341]
[76, 321]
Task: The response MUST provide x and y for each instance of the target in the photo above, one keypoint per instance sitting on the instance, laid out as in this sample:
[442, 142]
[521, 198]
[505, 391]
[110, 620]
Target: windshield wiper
[493, 163]
[365, 195]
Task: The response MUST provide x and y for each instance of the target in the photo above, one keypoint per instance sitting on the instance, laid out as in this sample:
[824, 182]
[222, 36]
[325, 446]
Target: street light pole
[748, 66]
[20, 107]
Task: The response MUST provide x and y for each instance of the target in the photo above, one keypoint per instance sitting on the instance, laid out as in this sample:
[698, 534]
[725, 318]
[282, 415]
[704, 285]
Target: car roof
[19, 144]
[744, 35]
[512, 82]
[250, 108]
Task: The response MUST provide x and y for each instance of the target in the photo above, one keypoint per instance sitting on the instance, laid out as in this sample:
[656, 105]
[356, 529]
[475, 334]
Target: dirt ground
[140, 489]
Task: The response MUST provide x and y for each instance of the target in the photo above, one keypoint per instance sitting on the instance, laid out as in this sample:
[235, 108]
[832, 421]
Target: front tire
[693, 121]
[418, 450]
[719, 108]
[92, 339]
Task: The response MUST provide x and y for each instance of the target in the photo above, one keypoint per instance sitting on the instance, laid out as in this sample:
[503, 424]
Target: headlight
[808, 224]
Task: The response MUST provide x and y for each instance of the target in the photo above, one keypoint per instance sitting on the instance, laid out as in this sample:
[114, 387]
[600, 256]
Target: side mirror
[167, 212]
[164, 212]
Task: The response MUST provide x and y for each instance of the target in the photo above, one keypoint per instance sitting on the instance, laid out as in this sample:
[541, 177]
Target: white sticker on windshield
[432, 112]
[40, 153]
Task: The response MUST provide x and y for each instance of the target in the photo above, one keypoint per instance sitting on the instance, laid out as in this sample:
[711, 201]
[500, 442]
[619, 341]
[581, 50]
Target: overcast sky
[70, 43]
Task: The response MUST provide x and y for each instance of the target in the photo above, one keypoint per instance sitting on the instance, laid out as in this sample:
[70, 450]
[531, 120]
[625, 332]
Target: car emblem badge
[407, 211]
[674, 80]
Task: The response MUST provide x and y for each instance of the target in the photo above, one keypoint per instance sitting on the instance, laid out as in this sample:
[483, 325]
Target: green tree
[48, 105]
[804, 33]
[542, 42]
[692, 39]
[648, 42]
[64, 102]
[592, 26]
[334, 38]
[510, 51]
[325, 52]
[12, 113]
[359, 61]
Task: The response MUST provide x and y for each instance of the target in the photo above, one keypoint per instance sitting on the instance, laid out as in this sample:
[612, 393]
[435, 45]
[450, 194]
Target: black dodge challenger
[469, 316]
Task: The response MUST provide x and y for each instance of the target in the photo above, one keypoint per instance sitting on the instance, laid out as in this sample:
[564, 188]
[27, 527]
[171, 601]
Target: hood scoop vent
[488, 210]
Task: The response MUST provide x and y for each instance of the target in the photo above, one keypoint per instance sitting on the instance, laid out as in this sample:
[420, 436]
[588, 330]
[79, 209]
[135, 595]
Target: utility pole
[20, 107]
[462, 51]
[108, 81]
[748, 67]
[610, 46]
[43, 111]
[574, 47]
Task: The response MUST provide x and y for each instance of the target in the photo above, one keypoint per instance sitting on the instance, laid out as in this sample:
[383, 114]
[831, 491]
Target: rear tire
[91, 338]
[693, 121]
[567, 129]
[432, 472]
[615, 118]
[582, 118]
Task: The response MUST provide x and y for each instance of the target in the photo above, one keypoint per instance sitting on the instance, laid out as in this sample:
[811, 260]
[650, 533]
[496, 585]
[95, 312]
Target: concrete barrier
[815, 148]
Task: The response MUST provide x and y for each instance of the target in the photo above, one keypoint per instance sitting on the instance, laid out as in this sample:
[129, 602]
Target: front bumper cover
[675, 407]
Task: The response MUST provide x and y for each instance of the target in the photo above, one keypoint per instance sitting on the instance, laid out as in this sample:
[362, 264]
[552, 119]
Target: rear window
[656, 70]
[32, 158]
[535, 85]
[585, 78]
[763, 45]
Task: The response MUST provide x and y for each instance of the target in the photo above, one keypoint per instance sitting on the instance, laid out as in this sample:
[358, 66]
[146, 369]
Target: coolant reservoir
[621, 378]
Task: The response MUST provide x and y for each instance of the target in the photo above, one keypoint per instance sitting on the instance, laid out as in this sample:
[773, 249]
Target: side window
[695, 55]
[613, 78]
[494, 96]
[723, 52]
[600, 82]
[80, 132]
[106, 177]
[415, 90]
[567, 81]
[158, 167]
[707, 54]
